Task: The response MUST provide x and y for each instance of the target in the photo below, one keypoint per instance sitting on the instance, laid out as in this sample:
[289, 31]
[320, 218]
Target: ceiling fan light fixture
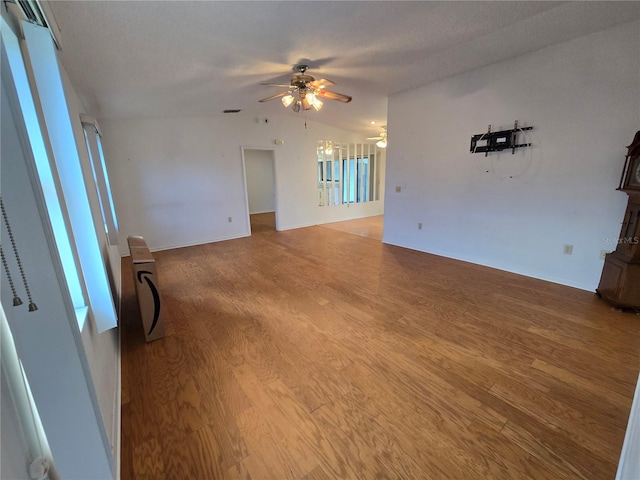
[314, 101]
[304, 91]
[287, 100]
[381, 143]
[306, 104]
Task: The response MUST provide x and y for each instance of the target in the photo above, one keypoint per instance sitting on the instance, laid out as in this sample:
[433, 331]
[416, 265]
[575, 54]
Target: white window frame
[93, 137]
[41, 151]
[49, 95]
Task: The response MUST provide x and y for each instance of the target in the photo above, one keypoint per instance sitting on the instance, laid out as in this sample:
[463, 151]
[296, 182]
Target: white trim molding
[629, 465]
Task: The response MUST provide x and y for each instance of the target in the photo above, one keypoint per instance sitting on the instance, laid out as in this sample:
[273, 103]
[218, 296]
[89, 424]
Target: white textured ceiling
[183, 58]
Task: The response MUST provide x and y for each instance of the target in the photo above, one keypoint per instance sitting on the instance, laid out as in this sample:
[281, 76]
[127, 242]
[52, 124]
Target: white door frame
[275, 183]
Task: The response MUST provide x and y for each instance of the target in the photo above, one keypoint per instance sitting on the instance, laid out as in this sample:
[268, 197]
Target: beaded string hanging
[16, 300]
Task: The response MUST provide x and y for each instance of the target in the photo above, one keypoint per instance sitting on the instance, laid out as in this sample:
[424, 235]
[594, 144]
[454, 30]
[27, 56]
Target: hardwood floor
[316, 354]
[366, 227]
[262, 222]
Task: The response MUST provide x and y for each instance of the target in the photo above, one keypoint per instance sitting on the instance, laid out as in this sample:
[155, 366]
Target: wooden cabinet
[620, 280]
[629, 241]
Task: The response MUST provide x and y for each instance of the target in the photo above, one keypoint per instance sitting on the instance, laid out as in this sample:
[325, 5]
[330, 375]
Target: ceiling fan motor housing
[300, 80]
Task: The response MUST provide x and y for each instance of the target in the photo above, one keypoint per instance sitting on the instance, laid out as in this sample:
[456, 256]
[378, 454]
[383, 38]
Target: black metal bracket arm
[498, 141]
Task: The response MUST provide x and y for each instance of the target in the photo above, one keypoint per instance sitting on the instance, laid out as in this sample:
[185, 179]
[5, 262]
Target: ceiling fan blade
[334, 96]
[283, 85]
[374, 138]
[313, 64]
[321, 83]
[272, 97]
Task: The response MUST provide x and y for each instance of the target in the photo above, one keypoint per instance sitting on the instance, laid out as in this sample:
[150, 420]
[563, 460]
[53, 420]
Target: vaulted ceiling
[197, 58]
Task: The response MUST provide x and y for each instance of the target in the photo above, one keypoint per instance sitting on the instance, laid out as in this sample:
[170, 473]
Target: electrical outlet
[398, 189]
[419, 226]
[230, 219]
[603, 253]
[568, 249]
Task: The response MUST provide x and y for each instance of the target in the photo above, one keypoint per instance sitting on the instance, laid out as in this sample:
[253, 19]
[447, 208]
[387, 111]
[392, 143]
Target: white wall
[14, 455]
[260, 175]
[177, 180]
[582, 99]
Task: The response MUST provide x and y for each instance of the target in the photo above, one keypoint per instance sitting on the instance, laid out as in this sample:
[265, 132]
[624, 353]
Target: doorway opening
[260, 185]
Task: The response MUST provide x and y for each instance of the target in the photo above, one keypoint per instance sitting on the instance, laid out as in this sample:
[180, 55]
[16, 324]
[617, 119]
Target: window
[65, 162]
[347, 173]
[100, 177]
[43, 168]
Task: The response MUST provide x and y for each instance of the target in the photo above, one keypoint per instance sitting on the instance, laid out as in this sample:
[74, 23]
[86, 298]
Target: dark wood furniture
[620, 280]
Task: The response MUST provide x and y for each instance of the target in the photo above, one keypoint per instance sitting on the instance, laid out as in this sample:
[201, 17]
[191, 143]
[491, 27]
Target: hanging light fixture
[382, 139]
[317, 104]
[302, 99]
[328, 149]
[314, 101]
[287, 100]
[304, 91]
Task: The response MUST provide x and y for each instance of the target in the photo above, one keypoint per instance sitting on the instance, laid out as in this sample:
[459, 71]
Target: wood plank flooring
[366, 227]
[319, 354]
[263, 222]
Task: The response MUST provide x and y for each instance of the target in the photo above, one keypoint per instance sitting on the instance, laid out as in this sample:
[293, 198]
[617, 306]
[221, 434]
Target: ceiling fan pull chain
[32, 306]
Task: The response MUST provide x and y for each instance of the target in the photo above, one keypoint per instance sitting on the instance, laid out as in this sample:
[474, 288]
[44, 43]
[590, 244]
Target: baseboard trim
[117, 413]
[629, 465]
[545, 278]
[193, 244]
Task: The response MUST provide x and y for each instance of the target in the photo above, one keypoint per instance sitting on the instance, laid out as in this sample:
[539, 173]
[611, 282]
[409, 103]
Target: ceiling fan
[304, 91]
[382, 138]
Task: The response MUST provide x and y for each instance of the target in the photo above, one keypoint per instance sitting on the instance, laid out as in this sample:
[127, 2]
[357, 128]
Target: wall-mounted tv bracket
[498, 141]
